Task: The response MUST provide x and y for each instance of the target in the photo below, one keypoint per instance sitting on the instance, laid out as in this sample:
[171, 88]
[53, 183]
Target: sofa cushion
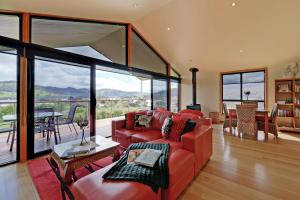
[123, 136]
[129, 123]
[93, 187]
[125, 133]
[177, 127]
[159, 118]
[145, 136]
[173, 144]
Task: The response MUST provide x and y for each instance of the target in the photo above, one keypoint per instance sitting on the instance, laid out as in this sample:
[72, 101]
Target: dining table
[260, 115]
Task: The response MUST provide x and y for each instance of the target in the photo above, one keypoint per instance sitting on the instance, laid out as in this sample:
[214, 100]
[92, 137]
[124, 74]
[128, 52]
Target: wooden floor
[239, 169]
[103, 128]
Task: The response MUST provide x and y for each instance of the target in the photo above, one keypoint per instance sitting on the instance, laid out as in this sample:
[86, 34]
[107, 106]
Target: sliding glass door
[61, 98]
[9, 62]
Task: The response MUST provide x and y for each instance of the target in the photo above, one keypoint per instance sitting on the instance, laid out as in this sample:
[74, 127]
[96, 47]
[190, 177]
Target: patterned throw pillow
[177, 127]
[142, 122]
[166, 127]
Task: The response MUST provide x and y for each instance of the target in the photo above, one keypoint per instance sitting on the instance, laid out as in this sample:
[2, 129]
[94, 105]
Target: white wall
[208, 90]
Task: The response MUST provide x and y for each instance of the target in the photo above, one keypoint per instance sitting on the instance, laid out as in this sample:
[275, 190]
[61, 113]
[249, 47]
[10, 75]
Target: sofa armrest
[205, 121]
[200, 143]
[116, 124]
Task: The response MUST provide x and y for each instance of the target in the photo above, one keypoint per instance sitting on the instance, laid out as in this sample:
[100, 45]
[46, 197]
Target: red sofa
[187, 157]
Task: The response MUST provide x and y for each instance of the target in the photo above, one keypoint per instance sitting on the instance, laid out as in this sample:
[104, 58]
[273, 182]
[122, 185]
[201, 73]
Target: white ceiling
[208, 34]
[120, 10]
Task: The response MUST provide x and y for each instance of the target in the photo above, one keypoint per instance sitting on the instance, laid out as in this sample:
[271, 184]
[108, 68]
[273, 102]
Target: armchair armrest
[199, 142]
[116, 124]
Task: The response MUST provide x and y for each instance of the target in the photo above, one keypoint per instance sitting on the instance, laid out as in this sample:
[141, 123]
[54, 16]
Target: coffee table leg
[116, 156]
[68, 176]
[74, 176]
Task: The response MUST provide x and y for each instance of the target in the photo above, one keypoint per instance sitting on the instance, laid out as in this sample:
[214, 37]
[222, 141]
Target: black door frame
[18, 55]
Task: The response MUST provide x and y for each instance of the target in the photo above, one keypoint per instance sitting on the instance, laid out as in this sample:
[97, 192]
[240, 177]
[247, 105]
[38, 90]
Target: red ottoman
[93, 187]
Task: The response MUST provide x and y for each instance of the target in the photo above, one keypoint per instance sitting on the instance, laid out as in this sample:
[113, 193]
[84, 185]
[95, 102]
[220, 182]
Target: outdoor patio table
[41, 115]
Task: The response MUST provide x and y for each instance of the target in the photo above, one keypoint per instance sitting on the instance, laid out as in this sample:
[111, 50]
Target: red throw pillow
[129, 120]
[178, 124]
[159, 118]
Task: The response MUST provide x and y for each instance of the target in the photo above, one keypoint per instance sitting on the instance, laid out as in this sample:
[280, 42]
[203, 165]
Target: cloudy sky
[62, 75]
[8, 67]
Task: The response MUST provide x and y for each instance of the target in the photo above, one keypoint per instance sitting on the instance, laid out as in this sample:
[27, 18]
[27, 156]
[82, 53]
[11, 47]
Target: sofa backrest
[195, 112]
[158, 118]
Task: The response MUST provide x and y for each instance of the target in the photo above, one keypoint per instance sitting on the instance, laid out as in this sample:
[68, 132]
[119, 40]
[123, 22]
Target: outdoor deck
[103, 128]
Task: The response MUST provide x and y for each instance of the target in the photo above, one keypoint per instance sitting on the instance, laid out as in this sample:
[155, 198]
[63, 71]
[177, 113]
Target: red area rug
[47, 183]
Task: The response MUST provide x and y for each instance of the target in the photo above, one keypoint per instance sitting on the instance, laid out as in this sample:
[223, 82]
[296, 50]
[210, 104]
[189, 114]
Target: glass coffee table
[94, 149]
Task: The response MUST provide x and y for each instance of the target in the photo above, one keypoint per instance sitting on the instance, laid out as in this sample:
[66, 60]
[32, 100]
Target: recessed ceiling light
[233, 4]
[241, 50]
[168, 28]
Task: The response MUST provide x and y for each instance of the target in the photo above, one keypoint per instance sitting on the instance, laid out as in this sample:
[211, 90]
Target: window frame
[240, 73]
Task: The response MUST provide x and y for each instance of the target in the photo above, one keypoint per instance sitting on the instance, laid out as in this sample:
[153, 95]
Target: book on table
[148, 157]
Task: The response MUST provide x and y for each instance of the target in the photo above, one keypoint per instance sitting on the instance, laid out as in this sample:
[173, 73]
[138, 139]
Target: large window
[98, 40]
[10, 26]
[174, 106]
[117, 94]
[244, 86]
[160, 95]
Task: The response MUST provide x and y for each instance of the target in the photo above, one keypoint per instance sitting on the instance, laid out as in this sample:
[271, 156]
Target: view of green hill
[8, 91]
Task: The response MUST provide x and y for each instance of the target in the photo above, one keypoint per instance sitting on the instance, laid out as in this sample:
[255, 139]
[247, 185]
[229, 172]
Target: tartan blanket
[156, 177]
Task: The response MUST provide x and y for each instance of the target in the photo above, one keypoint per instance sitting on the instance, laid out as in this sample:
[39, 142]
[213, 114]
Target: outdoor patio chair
[11, 131]
[70, 118]
[44, 122]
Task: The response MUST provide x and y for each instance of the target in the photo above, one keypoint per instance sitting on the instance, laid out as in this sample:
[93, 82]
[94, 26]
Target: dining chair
[273, 126]
[226, 120]
[246, 120]
[70, 118]
[44, 122]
